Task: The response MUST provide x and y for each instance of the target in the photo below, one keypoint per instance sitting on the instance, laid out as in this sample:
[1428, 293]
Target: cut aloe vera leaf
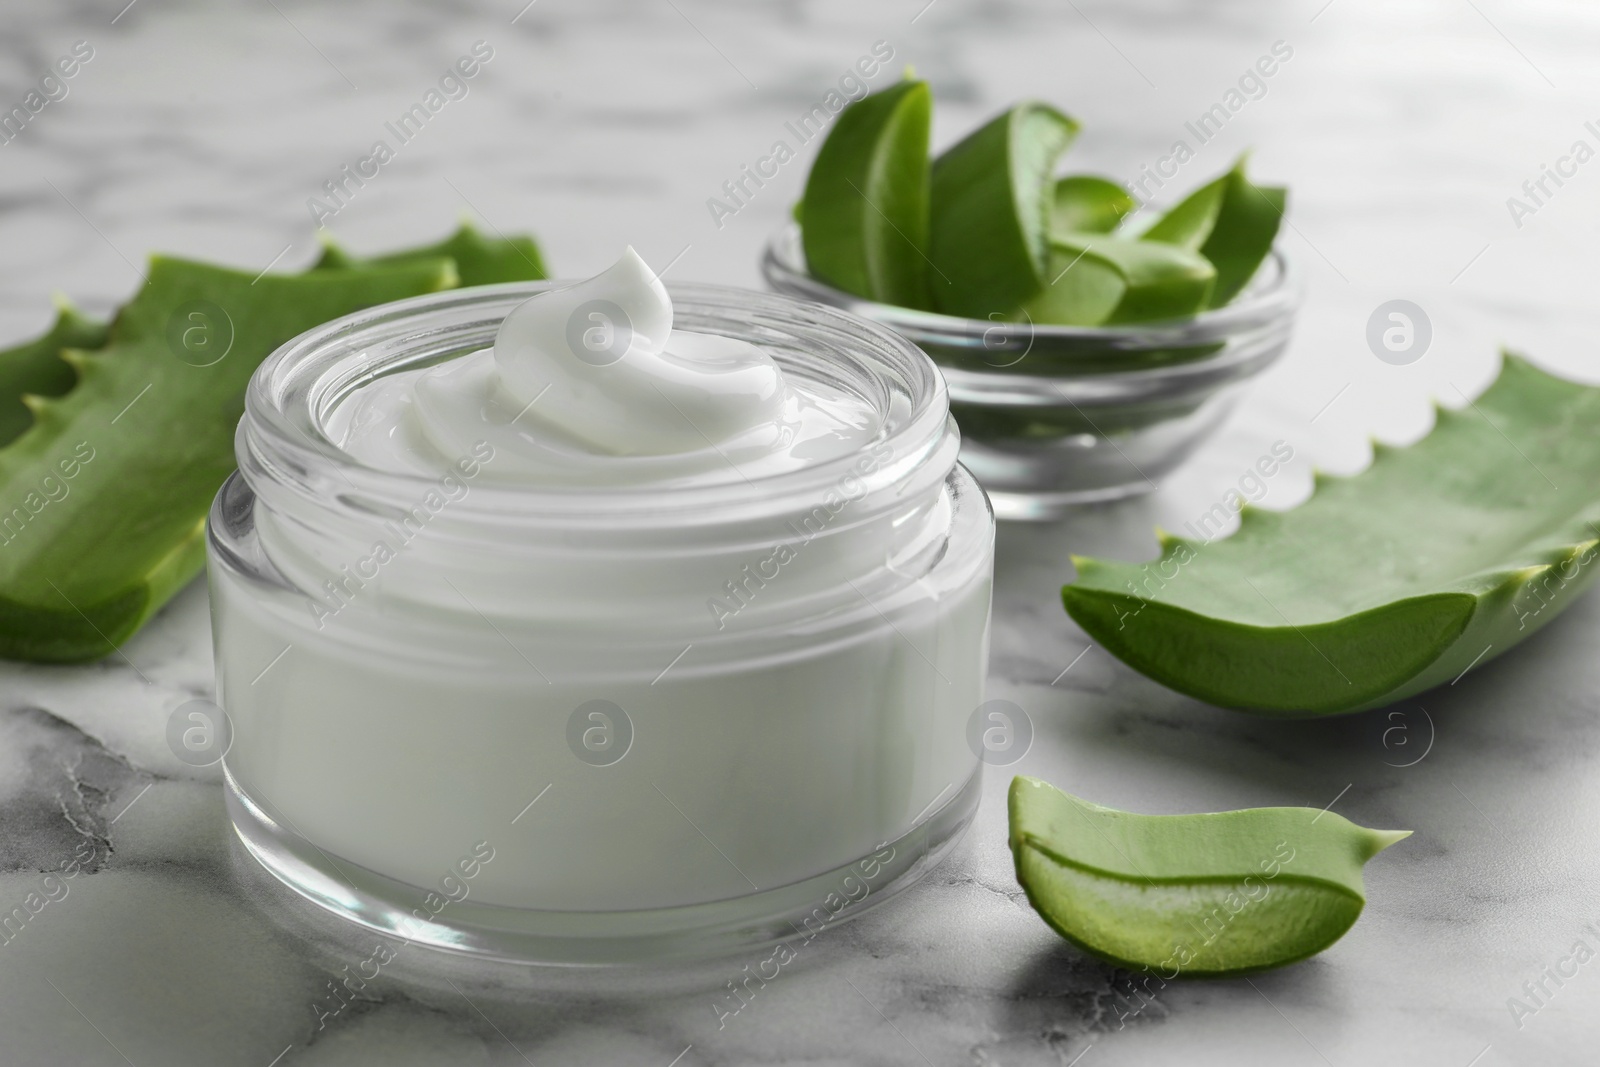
[479, 260]
[1230, 221]
[37, 369]
[1086, 204]
[1196, 895]
[991, 198]
[103, 499]
[865, 208]
[1100, 280]
[1435, 559]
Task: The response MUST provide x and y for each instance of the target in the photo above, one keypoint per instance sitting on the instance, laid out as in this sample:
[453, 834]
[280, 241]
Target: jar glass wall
[580, 726]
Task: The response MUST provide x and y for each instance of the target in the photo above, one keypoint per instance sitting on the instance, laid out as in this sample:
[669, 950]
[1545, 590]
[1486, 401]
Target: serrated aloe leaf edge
[35, 368]
[103, 495]
[1437, 558]
[479, 260]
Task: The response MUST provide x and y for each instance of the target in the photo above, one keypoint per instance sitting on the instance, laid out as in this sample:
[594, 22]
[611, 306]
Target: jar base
[530, 936]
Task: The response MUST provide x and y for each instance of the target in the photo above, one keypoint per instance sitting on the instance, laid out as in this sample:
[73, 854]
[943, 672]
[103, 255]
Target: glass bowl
[1056, 416]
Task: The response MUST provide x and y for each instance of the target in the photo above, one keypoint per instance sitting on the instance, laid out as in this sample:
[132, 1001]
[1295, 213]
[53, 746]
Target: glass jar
[598, 725]
[1056, 416]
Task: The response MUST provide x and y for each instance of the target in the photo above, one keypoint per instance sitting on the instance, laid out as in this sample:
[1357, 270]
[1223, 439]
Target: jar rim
[281, 439]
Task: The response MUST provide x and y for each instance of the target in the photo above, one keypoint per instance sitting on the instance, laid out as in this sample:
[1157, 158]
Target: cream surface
[591, 385]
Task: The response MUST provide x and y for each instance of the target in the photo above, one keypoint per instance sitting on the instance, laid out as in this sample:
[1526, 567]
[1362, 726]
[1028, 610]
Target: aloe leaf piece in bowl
[1232, 222]
[990, 203]
[865, 209]
[1101, 280]
[1435, 559]
[1085, 204]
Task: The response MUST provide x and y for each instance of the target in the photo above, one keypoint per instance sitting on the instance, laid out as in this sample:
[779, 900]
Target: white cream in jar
[683, 618]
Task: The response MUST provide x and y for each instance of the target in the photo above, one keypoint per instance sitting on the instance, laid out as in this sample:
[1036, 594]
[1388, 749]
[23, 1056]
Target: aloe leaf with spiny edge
[35, 368]
[1435, 559]
[479, 260]
[120, 440]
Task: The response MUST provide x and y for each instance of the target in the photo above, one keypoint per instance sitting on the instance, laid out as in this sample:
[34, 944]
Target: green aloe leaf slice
[103, 498]
[36, 369]
[1197, 895]
[1100, 280]
[991, 199]
[1230, 221]
[1086, 204]
[479, 260]
[1435, 559]
[114, 445]
[865, 208]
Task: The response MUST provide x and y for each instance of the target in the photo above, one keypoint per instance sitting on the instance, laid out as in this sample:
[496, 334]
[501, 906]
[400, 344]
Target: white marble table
[1403, 128]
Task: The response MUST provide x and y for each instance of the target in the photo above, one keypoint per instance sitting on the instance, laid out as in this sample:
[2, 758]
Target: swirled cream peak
[590, 385]
[619, 379]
